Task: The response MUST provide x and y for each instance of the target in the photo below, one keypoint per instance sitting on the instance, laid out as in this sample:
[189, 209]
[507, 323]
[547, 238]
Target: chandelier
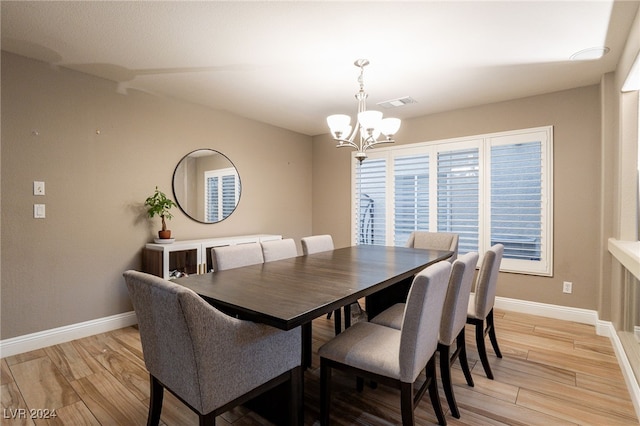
[369, 127]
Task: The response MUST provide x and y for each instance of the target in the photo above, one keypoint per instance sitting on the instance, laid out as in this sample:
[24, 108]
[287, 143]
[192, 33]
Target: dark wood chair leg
[325, 392]
[337, 321]
[445, 375]
[482, 349]
[407, 404]
[492, 334]
[462, 356]
[155, 401]
[347, 316]
[329, 315]
[433, 391]
[207, 419]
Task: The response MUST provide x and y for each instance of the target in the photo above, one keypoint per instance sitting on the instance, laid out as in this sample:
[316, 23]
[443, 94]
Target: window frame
[544, 134]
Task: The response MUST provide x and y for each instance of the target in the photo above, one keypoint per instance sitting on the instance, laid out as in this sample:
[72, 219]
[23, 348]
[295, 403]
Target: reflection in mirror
[206, 186]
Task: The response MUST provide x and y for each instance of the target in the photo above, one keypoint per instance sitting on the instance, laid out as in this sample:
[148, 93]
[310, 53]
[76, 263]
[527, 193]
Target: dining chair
[236, 256]
[317, 244]
[390, 356]
[208, 360]
[452, 325]
[434, 241]
[480, 309]
[279, 249]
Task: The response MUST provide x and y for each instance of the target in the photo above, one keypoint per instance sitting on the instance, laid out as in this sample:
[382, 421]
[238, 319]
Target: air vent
[394, 103]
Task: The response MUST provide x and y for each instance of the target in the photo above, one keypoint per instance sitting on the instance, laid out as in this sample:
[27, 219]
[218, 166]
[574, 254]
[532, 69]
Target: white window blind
[488, 189]
[370, 199]
[212, 199]
[458, 190]
[411, 196]
[221, 193]
[516, 199]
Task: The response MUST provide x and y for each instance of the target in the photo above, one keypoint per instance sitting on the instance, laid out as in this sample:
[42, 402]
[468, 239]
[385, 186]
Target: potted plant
[159, 204]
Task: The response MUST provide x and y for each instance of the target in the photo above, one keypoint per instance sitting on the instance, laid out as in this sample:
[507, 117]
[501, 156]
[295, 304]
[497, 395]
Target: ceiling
[290, 64]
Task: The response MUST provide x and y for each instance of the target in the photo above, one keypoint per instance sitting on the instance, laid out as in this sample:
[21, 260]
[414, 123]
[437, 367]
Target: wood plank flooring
[552, 373]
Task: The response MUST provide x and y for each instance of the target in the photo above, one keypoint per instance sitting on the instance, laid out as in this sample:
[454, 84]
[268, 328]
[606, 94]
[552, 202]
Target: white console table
[190, 256]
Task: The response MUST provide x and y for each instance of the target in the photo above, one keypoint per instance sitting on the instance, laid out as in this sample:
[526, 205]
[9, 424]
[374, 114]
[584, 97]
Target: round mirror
[206, 186]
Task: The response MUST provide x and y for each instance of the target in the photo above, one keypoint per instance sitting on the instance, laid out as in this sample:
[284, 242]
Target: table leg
[307, 349]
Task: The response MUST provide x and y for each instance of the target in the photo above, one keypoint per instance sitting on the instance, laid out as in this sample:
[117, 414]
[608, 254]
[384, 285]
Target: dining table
[292, 292]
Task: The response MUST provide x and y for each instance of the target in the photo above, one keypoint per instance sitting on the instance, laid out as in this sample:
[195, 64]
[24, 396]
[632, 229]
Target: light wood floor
[553, 372]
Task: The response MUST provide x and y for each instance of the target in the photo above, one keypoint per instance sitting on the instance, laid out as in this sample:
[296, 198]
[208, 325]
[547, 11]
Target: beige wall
[575, 116]
[67, 268]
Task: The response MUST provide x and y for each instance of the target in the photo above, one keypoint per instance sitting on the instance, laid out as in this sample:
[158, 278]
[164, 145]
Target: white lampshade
[339, 123]
[370, 119]
[389, 126]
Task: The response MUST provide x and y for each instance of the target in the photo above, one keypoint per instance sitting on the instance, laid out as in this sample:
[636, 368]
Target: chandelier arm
[346, 143]
[352, 137]
[371, 144]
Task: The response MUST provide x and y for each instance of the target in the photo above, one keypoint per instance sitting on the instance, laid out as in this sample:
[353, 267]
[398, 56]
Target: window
[371, 195]
[488, 189]
[411, 196]
[221, 193]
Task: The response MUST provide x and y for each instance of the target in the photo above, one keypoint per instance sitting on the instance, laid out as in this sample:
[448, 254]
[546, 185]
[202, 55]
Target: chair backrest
[167, 346]
[435, 241]
[316, 244]
[454, 313]
[203, 355]
[235, 256]
[421, 320]
[486, 283]
[279, 249]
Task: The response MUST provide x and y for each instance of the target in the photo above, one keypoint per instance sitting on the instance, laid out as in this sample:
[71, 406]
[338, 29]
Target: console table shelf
[190, 256]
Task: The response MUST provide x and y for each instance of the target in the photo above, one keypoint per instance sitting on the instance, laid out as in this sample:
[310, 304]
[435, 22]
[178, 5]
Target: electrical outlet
[567, 287]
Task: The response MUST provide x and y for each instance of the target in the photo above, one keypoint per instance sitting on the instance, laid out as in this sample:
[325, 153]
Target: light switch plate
[38, 188]
[39, 211]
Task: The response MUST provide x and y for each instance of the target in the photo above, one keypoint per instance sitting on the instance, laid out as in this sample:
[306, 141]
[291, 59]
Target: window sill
[627, 253]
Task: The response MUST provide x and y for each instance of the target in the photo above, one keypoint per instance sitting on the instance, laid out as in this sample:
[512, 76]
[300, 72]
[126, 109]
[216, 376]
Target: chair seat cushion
[391, 317]
[367, 346]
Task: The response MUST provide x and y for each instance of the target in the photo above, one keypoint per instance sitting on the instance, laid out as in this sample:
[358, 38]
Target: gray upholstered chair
[210, 361]
[480, 309]
[390, 356]
[435, 241]
[236, 256]
[452, 326]
[316, 244]
[279, 249]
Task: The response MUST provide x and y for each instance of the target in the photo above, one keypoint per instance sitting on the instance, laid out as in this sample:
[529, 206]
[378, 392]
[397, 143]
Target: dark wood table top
[291, 292]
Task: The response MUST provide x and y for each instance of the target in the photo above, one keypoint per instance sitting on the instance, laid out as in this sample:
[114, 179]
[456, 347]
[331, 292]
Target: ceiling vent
[394, 103]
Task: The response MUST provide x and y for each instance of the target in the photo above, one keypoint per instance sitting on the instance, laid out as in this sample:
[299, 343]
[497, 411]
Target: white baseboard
[54, 336]
[583, 316]
[565, 313]
[607, 329]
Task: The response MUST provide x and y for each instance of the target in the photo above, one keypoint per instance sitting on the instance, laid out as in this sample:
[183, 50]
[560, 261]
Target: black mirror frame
[173, 186]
